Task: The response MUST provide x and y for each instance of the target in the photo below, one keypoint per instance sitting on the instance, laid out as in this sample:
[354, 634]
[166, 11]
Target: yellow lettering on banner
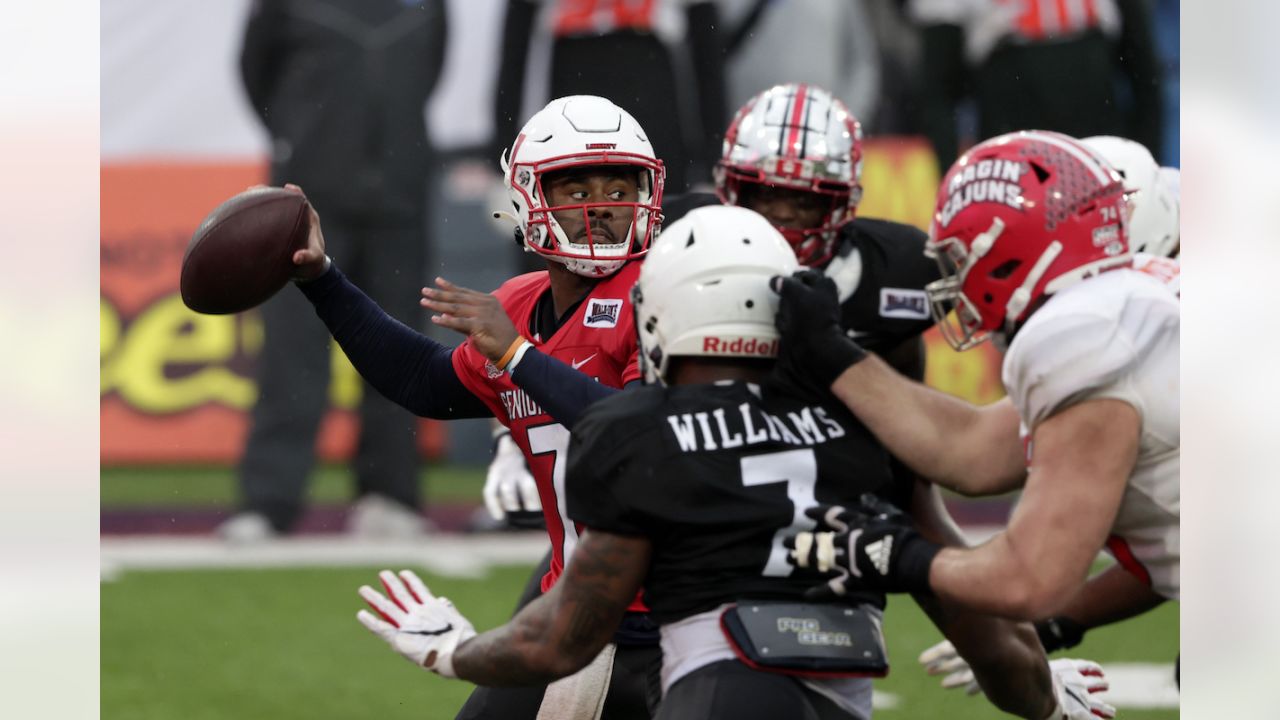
[166, 333]
[108, 338]
[170, 359]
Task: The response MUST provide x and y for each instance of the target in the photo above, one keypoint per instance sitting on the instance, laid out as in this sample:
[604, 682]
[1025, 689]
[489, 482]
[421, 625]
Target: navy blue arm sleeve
[561, 391]
[407, 367]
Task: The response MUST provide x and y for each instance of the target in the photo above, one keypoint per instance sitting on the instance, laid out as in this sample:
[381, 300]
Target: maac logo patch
[904, 303]
[601, 313]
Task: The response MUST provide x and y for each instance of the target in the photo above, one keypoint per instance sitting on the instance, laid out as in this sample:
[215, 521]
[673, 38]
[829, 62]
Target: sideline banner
[177, 386]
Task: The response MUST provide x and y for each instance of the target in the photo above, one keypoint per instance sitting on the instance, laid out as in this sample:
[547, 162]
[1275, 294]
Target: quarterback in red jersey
[587, 189]
[595, 336]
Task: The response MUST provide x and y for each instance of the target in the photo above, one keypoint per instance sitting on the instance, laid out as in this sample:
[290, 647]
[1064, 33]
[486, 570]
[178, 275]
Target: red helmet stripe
[795, 121]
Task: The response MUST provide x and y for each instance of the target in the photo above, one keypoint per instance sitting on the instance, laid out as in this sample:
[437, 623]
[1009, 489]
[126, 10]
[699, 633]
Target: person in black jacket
[662, 61]
[1080, 68]
[341, 87]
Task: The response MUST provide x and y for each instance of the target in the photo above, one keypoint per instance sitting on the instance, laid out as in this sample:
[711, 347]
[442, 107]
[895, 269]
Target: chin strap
[501, 215]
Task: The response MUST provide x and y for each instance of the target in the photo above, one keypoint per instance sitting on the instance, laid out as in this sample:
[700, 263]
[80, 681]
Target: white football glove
[1074, 682]
[942, 659]
[508, 486]
[423, 628]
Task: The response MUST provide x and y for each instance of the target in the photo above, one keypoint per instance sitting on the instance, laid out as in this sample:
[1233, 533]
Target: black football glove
[813, 345]
[869, 547]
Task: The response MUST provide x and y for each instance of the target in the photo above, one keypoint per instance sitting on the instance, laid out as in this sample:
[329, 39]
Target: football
[241, 254]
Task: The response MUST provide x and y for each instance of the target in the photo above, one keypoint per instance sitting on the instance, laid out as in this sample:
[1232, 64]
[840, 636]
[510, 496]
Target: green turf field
[199, 645]
[149, 486]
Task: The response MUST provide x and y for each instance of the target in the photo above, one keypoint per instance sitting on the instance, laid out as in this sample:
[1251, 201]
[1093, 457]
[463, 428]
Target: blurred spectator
[898, 111]
[661, 60]
[341, 86]
[826, 43]
[1082, 67]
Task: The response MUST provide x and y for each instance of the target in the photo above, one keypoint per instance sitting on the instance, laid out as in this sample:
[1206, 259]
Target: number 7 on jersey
[799, 470]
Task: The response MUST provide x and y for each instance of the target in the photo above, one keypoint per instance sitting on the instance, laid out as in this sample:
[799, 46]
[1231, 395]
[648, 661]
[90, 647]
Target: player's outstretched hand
[872, 546]
[510, 492]
[310, 262]
[423, 628]
[813, 344]
[479, 316]
[1076, 682]
[942, 659]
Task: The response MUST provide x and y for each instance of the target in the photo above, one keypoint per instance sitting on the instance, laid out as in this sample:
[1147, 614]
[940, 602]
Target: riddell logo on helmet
[994, 181]
[602, 146]
[740, 346]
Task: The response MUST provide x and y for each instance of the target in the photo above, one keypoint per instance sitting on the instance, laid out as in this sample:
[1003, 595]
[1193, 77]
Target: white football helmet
[704, 289]
[1153, 198]
[799, 137]
[573, 132]
[1170, 181]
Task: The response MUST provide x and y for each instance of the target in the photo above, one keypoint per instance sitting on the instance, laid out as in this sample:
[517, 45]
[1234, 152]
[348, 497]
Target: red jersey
[598, 339]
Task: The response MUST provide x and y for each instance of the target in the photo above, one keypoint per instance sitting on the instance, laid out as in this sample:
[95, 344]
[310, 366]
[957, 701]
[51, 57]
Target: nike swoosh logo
[577, 364]
[441, 631]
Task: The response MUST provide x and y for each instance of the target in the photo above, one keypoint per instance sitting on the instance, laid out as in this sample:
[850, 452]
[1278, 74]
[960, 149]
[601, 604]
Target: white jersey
[1114, 336]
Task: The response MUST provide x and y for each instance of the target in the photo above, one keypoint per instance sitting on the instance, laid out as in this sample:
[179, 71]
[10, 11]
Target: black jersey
[880, 271]
[716, 476]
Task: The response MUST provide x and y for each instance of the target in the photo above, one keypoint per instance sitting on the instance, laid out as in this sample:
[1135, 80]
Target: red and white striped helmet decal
[795, 122]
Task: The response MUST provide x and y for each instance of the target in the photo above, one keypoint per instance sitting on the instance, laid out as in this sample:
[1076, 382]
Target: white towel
[581, 695]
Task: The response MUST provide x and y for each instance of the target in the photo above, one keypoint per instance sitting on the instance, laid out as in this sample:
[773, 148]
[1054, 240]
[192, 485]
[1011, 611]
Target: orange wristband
[510, 353]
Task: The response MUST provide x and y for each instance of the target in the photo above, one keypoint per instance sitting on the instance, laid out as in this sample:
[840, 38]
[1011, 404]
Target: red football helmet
[798, 137]
[1019, 217]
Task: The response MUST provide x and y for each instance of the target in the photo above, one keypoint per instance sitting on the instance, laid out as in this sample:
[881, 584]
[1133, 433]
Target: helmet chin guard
[583, 132]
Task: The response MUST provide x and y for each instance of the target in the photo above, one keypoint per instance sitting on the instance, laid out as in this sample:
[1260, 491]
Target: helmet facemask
[963, 329]
[587, 237]
[813, 246]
